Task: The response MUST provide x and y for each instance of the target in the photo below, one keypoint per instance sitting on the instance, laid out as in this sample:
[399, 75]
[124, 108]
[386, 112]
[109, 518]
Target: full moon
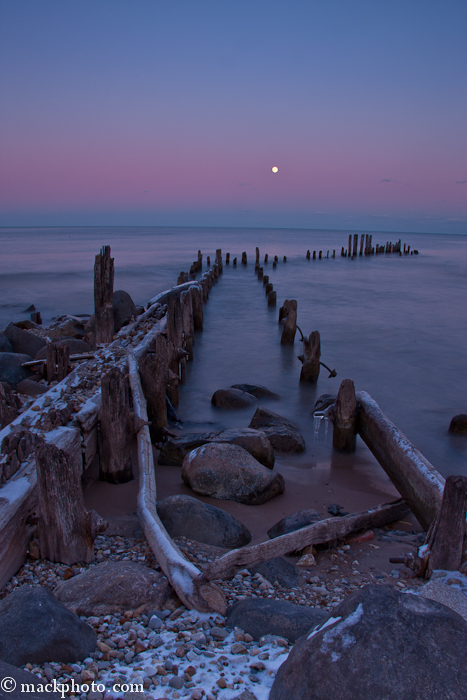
[275, 169]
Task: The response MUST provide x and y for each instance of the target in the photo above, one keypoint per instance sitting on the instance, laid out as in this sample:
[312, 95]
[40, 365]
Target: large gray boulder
[115, 587]
[22, 341]
[261, 392]
[233, 398]
[25, 684]
[277, 569]
[282, 433]
[380, 644]
[5, 345]
[11, 370]
[253, 441]
[185, 516]
[124, 309]
[294, 522]
[261, 616]
[36, 627]
[229, 472]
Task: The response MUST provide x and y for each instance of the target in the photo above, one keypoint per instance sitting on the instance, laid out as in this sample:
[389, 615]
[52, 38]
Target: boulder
[124, 309]
[233, 398]
[379, 643]
[283, 435]
[11, 370]
[31, 388]
[261, 392]
[36, 628]
[458, 424]
[185, 516]
[277, 569]
[69, 326]
[294, 522]
[22, 341]
[23, 679]
[75, 346]
[115, 587]
[255, 442]
[324, 401]
[261, 616]
[229, 472]
[5, 345]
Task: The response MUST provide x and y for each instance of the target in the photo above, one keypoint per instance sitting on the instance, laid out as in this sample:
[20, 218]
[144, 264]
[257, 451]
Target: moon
[275, 169]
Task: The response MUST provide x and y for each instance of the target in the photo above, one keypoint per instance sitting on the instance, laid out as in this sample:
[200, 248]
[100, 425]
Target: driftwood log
[288, 318]
[184, 576]
[310, 357]
[116, 429]
[103, 296]
[317, 533]
[344, 417]
[417, 481]
[66, 529]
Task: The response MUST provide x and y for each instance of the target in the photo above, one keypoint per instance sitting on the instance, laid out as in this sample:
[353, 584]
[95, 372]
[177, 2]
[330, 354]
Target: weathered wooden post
[103, 296]
[320, 254]
[334, 253]
[260, 272]
[308, 255]
[154, 372]
[188, 326]
[344, 435]
[244, 258]
[447, 536]
[272, 298]
[265, 280]
[289, 321]
[200, 260]
[172, 389]
[66, 529]
[58, 361]
[219, 259]
[257, 255]
[355, 245]
[208, 260]
[227, 258]
[274, 265]
[9, 405]
[197, 306]
[234, 262]
[350, 245]
[310, 357]
[268, 288]
[116, 429]
[266, 258]
[182, 278]
[314, 255]
[276, 259]
[362, 238]
[285, 258]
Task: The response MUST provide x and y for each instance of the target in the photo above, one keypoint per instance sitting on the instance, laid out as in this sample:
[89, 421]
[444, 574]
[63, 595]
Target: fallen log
[417, 481]
[184, 577]
[317, 533]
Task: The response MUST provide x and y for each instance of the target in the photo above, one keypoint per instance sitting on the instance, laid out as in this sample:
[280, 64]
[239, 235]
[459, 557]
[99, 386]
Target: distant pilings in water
[320, 254]
[367, 248]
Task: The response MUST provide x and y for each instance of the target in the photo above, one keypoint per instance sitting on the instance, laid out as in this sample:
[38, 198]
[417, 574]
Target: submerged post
[103, 296]
[344, 436]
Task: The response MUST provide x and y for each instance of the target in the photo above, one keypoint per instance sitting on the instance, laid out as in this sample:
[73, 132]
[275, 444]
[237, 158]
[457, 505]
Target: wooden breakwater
[48, 450]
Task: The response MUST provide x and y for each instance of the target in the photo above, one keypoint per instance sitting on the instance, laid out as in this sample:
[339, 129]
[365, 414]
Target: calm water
[395, 325]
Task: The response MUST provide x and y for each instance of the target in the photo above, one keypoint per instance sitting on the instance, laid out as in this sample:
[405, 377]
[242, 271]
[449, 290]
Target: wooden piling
[310, 357]
[116, 429]
[272, 298]
[350, 245]
[320, 254]
[289, 321]
[103, 296]
[260, 273]
[266, 258]
[285, 258]
[219, 259]
[355, 245]
[227, 258]
[265, 280]
[274, 265]
[58, 362]
[362, 238]
[234, 262]
[244, 258]
[66, 529]
[197, 306]
[334, 253]
[308, 255]
[447, 536]
[344, 435]
[257, 256]
[314, 255]
[268, 288]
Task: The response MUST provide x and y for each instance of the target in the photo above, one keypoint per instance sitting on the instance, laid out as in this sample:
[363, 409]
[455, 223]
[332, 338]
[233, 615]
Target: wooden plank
[183, 576]
[18, 504]
[418, 482]
[317, 533]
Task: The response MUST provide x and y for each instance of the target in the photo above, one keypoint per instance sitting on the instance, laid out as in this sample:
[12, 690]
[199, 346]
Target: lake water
[395, 325]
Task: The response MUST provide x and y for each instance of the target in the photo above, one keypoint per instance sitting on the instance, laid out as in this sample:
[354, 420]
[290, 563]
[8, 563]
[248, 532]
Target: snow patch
[329, 622]
[15, 490]
[342, 631]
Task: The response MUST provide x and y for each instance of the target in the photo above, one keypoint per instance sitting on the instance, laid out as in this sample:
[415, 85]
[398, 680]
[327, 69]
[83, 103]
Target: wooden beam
[317, 533]
[183, 576]
[418, 482]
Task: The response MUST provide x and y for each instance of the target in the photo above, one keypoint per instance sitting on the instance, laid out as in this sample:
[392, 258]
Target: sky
[174, 112]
